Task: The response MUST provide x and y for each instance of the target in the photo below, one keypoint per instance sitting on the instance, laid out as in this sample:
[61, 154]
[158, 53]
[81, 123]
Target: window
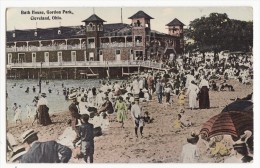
[138, 55]
[13, 35]
[100, 52]
[90, 27]
[59, 31]
[73, 56]
[46, 54]
[35, 33]
[138, 23]
[138, 41]
[73, 53]
[59, 56]
[91, 42]
[9, 58]
[118, 52]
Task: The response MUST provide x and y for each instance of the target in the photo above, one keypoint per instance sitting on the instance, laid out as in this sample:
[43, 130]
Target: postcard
[129, 85]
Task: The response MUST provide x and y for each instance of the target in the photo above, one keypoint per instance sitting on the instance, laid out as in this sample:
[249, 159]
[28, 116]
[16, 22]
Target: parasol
[239, 105]
[231, 123]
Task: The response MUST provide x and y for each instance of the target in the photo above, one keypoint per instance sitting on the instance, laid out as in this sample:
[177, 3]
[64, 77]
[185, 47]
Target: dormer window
[59, 31]
[35, 33]
[13, 35]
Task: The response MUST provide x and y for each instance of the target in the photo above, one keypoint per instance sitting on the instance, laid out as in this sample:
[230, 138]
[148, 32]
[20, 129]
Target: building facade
[93, 43]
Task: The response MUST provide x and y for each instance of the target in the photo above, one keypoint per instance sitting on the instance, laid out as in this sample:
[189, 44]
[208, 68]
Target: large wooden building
[94, 44]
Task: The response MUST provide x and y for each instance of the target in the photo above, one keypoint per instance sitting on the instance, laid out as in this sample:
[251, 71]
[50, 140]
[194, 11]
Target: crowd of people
[121, 100]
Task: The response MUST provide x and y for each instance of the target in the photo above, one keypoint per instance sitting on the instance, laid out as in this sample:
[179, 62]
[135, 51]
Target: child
[185, 121]
[217, 147]
[141, 125]
[177, 123]
[147, 118]
[181, 98]
[87, 138]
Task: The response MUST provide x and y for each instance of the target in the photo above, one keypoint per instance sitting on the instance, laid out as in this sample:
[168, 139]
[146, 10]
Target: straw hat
[193, 138]
[73, 96]
[144, 90]
[27, 134]
[17, 152]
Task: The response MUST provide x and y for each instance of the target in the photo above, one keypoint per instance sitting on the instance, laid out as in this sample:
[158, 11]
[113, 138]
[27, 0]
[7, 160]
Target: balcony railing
[46, 48]
[121, 63]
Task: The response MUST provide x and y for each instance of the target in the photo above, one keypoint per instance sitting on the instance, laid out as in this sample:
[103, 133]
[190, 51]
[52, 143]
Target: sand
[161, 142]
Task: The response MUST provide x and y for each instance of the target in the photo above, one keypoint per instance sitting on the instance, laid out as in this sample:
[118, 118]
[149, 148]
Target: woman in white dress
[17, 116]
[192, 92]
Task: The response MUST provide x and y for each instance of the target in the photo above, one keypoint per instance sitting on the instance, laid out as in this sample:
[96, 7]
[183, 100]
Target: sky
[161, 15]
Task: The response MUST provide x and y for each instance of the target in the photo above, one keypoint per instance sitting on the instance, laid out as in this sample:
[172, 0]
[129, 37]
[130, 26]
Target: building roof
[45, 34]
[175, 22]
[93, 18]
[140, 14]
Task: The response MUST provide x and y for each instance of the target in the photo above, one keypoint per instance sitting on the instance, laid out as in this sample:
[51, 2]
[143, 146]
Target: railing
[121, 63]
[46, 48]
[112, 45]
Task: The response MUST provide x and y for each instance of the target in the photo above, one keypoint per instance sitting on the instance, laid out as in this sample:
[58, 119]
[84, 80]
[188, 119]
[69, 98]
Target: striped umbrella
[232, 123]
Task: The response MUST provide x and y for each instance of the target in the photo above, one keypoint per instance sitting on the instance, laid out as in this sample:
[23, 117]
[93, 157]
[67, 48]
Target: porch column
[66, 40]
[15, 46]
[125, 41]
[40, 44]
[27, 42]
[80, 47]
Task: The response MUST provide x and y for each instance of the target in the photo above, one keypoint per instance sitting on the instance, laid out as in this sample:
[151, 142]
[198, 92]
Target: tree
[217, 32]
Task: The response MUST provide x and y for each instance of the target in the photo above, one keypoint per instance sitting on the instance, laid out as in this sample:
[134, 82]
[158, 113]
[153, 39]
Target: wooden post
[75, 73]
[122, 71]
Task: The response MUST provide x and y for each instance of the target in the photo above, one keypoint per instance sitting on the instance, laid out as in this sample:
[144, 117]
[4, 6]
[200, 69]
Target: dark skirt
[43, 115]
[168, 96]
[204, 98]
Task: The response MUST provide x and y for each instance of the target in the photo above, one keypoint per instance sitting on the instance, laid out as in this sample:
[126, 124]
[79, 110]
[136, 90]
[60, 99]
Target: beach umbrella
[232, 123]
[239, 105]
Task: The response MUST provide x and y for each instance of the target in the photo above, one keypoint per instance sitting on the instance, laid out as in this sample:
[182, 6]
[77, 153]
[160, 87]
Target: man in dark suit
[75, 116]
[44, 152]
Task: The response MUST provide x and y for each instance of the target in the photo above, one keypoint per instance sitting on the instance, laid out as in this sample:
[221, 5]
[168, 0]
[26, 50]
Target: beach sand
[161, 142]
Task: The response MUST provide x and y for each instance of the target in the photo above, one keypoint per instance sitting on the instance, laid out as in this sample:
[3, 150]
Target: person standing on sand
[75, 116]
[17, 116]
[86, 131]
[192, 91]
[43, 111]
[28, 112]
[44, 152]
[159, 90]
[121, 109]
[136, 116]
[204, 94]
